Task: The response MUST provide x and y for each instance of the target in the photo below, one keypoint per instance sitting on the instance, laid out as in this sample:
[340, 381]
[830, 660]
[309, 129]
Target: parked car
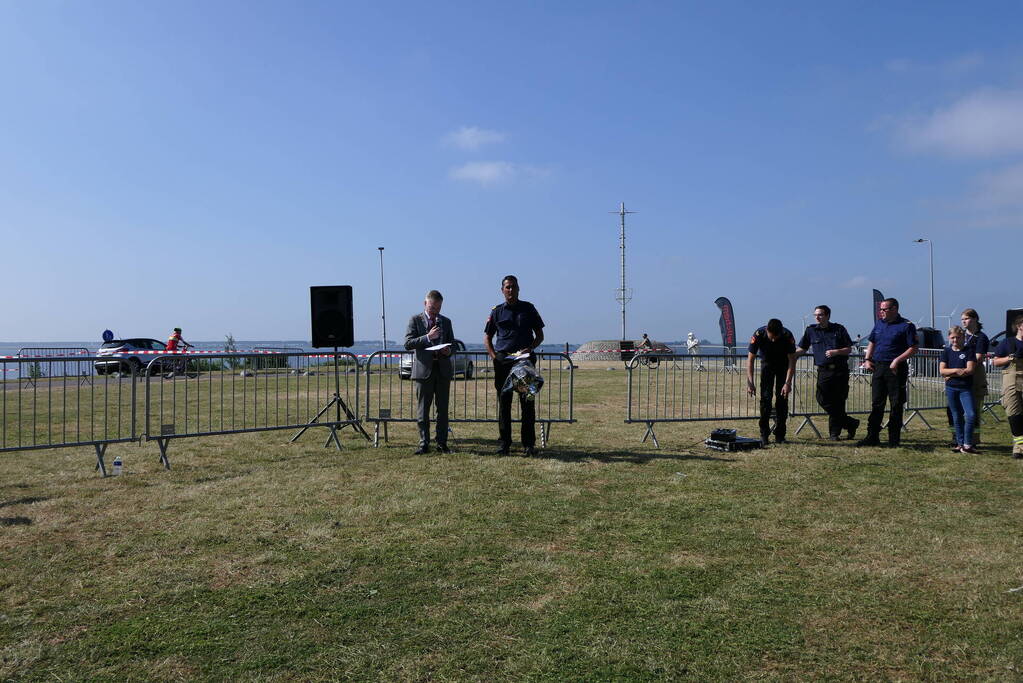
[462, 364]
[126, 361]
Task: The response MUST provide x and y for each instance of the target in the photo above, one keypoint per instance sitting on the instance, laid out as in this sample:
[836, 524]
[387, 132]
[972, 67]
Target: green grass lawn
[607, 559]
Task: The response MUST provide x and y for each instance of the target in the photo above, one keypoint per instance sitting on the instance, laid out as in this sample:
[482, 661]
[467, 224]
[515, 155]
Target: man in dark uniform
[831, 346]
[514, 327]
[891, 343]
[776, 348]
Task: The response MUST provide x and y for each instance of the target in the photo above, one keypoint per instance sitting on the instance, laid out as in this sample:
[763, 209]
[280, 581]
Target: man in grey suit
[431, 370]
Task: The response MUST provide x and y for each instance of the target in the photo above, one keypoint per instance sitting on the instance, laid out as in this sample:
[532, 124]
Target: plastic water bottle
[117, 466]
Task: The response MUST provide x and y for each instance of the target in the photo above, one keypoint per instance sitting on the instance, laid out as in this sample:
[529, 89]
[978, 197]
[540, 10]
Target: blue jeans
[964, 417]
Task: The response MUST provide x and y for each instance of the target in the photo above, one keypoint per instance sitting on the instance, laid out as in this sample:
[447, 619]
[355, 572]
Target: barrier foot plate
[163, 443]
[333, 437]
[650, 433]
[101, 449]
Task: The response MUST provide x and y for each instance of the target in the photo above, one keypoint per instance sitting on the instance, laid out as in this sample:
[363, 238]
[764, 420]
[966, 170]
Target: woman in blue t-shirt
[957, 365]
[978, 339]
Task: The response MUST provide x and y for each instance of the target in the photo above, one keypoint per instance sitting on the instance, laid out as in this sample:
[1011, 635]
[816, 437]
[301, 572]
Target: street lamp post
[930, 248]
[383, 311]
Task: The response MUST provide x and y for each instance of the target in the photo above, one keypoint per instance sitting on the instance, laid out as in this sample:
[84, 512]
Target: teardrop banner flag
[727, 324]
[878, 298]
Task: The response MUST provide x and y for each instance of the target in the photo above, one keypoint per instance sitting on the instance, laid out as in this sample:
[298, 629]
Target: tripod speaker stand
[338, 404]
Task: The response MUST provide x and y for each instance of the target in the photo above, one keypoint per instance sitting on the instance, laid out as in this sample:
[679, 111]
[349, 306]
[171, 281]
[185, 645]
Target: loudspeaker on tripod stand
[332, 316]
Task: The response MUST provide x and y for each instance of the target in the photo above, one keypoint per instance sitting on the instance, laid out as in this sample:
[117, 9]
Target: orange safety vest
[172, 341]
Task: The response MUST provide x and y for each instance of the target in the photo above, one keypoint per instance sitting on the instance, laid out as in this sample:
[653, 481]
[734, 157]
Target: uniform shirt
[892, 339]
[772, 352]
[958, 359]
[979, 342]
[511, 326]
[172, 341]
[821, 339]
[1010, 346]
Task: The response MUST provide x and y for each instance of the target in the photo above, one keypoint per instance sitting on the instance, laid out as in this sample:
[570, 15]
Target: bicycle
[648, 358]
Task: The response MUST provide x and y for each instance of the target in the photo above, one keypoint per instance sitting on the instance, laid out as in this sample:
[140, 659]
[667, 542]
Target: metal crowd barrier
[390, 394]
[44, 404]
[925, 389]
[803, 400]
[229, 393]
[687, 388]
[705, 387]
[994, 389]
[64, 369]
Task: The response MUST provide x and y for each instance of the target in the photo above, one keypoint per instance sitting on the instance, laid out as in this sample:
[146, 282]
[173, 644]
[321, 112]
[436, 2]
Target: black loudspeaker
[332, 316]
[1010, 315]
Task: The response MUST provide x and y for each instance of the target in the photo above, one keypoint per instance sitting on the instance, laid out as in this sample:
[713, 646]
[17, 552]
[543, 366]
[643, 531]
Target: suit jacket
[416, 339]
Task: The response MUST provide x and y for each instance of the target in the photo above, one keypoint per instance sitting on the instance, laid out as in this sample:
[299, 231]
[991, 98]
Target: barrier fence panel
[44, 404]
[71, 368]
[390, 393]
[803, 399]
[994, 389]
[691, 388]
[229, 393]
[926, 387]
[687, 388]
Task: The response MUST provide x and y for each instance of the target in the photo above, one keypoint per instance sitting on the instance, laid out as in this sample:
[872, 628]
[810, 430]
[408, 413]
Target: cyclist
[175, 342]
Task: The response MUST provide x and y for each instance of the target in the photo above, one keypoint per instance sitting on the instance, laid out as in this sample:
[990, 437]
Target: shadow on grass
[15, 521]
[487, 448]
[22, 501]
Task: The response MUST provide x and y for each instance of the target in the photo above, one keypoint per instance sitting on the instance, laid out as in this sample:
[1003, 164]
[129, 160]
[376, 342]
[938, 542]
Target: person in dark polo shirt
[776, 347]
[891, 343]
[513, 327]
[831, 346]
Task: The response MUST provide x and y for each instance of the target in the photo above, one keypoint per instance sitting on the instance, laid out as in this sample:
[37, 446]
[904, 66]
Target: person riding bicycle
[645, 352]
[175, 342]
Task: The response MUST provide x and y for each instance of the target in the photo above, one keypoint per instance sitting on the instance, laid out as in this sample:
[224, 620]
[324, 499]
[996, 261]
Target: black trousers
[832, 393]
[772, 379]
[889, 386]
[527, 409]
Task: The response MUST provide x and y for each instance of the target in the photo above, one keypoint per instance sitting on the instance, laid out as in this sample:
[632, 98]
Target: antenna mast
[622, 295]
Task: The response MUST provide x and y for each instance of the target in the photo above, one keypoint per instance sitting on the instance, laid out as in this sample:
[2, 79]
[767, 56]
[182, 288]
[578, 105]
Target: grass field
[606, 559]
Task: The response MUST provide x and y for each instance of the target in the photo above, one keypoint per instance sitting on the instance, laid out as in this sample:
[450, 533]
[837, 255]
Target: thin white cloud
[1001, 188]
[956, 66]
[899, 66]
[997, 200]
[984, 124]
[472, 137]
[856, 282]
[489, 173]
[963, 64]
[485, 172]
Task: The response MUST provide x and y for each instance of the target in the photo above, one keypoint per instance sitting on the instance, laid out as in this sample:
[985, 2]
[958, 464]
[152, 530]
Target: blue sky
[202, 164]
